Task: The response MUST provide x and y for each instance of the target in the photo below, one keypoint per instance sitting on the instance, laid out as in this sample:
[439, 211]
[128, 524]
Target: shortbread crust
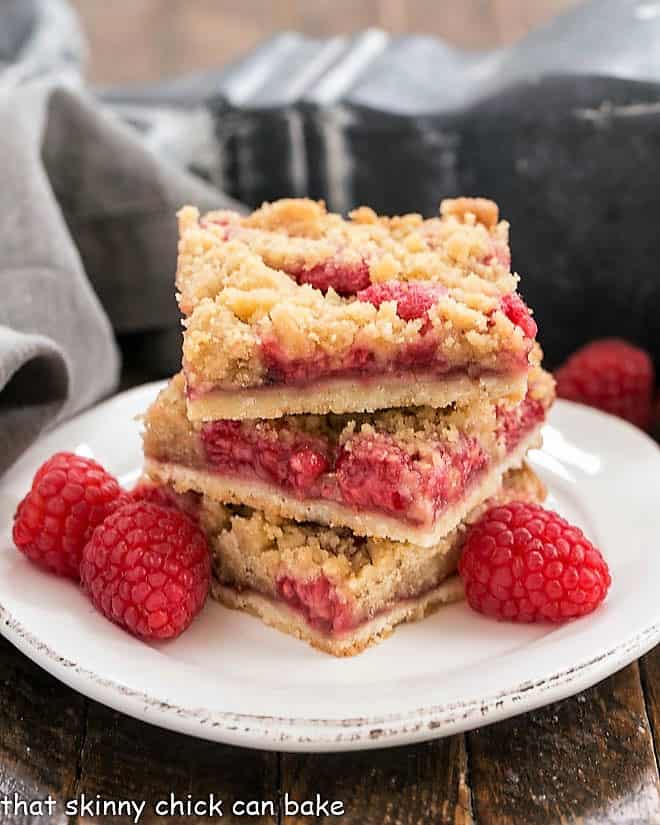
[339, 395]
[280, 616]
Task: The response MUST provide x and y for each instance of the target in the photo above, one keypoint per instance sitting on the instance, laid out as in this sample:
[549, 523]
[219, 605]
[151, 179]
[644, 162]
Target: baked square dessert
[406, 474]
[293, 309]
[337, 591]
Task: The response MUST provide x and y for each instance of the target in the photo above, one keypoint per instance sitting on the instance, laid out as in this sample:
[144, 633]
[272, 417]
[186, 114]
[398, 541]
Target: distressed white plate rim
[231, 679]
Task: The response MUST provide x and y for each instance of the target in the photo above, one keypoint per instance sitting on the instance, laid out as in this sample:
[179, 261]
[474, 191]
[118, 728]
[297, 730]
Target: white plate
[232, 679]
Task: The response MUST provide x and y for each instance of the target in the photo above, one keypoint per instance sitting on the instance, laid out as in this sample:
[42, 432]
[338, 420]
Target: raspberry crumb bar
[293, 309]
[339, 592]
[405, 474]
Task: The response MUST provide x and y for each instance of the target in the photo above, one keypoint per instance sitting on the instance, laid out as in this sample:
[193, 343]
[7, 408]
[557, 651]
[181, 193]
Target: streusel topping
[465, 246]
[292, 285]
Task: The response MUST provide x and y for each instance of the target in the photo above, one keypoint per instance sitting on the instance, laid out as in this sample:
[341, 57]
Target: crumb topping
[244, 282]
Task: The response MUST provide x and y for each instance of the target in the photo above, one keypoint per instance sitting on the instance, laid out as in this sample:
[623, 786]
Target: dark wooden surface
[589, 759]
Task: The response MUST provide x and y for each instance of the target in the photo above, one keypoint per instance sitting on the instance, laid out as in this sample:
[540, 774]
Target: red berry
[148, 569]
[523, 563]
[517, 312]
[611, 375]
[413, 299]
[70, 496]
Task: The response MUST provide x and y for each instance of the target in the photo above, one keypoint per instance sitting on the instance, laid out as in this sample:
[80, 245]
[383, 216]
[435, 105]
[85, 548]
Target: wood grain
[156, 38]
[587, 760]
[41, 733]
[125, 759]
[650, 673]
[400, 786]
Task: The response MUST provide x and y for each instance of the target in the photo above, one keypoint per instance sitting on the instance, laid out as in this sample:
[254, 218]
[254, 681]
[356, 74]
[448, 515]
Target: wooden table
[590, 759]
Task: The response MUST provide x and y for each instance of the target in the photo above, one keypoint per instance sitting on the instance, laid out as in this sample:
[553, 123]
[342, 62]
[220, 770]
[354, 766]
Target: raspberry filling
[421, 356]
[374, 473]
[276, 456]
[360, 361]
[346, 279]
[369, 472]
[319, 603]
[517, 312]
[413, 301]
[516, 423]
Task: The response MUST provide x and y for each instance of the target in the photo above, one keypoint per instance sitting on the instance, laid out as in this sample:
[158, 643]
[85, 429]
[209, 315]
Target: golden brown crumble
[234, 287]
[469, 210]
[288, 235]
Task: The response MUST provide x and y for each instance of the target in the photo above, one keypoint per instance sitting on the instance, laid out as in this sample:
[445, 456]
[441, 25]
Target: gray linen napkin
[87, 243]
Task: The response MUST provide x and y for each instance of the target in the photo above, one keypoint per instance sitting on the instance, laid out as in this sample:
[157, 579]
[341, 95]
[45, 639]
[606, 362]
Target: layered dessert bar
[337, 591]
[293, 309]
[405, 474]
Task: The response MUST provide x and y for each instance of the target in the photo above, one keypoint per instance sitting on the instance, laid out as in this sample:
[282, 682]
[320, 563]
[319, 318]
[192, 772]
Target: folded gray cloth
[87, 244]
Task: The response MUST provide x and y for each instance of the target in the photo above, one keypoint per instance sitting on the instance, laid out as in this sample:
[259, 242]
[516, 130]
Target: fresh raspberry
[526, 564]
[611, 375]
[70, 496]
[413, 299]
[517, 312]
[148, 569]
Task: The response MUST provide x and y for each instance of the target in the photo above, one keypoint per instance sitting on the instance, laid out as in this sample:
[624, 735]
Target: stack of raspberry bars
[354, 393]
